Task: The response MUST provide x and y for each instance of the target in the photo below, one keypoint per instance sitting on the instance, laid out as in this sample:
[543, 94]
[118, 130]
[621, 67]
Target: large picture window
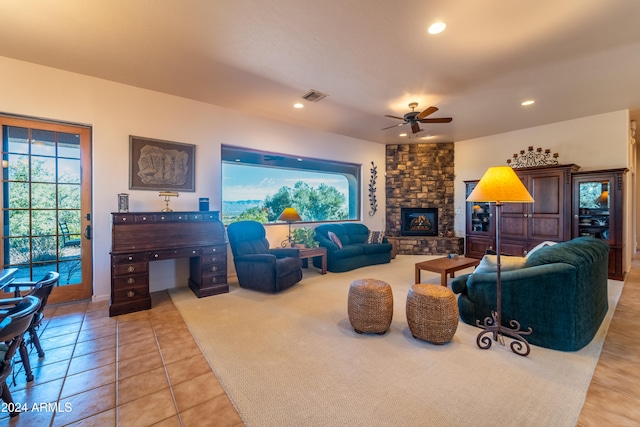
[258, 185]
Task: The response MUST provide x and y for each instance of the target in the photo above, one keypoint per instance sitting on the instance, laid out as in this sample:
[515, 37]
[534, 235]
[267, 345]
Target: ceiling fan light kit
[414, 118]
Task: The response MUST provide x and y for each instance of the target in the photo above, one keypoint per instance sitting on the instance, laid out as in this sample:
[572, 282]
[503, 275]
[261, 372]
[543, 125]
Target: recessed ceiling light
[298, 105]
[528, 102]
[403, 134]
[437, 28]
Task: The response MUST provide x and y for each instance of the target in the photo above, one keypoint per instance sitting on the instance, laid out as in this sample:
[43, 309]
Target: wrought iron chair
[40, 290]
[67, 241]
[14, 322]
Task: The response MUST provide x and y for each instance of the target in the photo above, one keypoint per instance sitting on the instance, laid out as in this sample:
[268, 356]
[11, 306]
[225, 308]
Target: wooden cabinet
[568, 204]
[598, 211]
[141, 237]
[524, 225]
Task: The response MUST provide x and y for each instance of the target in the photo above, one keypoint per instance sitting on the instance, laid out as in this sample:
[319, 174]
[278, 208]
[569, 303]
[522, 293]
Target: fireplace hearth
[419, 221]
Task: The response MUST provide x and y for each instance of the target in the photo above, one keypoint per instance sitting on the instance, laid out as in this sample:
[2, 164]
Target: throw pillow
[489, 263]
[334, 239]
[375, 237]
[541, 245]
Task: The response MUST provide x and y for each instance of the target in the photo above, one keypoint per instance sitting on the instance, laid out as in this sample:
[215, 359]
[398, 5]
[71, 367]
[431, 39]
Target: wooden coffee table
[306, 253]
[445, 266]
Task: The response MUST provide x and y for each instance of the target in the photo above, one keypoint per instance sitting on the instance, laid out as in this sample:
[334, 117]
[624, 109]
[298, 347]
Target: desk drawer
[212, 279]
[126, 269]
[134, 280]
[129, 258]
[129, 294]
[214, 258]
[174, 253]
[218, 249]
[214, 268]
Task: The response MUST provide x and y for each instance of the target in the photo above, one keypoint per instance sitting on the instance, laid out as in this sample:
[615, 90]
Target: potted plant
[304, 237]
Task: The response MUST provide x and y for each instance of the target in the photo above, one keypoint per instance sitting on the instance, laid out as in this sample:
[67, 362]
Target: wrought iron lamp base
[492, 325]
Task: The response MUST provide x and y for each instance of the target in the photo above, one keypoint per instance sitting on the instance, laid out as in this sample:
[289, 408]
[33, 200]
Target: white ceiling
[372, 57]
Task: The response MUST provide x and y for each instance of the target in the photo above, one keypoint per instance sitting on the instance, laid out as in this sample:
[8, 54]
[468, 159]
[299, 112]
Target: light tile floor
[139, 369]
[145, 369]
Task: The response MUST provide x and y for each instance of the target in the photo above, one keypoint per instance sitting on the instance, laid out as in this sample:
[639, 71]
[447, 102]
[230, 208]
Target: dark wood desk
[6, 276]
[141, 237]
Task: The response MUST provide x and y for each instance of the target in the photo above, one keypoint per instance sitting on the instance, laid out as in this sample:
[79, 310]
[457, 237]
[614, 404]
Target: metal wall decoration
[373, 202]
[533, 158]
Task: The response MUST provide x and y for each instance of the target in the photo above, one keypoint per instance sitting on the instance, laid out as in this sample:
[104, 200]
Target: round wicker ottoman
[370, 306]
[432, 313]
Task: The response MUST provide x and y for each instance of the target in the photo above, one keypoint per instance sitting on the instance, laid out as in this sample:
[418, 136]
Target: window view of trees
[259, 186]
[313, 204]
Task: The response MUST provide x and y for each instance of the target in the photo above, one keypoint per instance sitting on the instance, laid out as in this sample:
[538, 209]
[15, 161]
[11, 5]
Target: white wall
[115, 111]
[595, 142]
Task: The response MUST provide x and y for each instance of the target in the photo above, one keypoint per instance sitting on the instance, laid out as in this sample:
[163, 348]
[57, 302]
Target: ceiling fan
[414, 118]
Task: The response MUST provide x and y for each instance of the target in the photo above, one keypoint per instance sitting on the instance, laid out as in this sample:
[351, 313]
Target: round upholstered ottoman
[370, 306]
[432, 313]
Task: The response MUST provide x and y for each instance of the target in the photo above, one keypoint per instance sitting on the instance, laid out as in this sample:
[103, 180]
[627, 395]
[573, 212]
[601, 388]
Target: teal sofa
[561, 293]
[355, 252]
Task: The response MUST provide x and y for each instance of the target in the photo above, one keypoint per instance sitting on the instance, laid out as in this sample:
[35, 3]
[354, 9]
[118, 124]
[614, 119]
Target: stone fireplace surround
[421, 176]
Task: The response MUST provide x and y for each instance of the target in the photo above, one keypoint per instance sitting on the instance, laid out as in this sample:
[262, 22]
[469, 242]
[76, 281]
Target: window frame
[351, 171]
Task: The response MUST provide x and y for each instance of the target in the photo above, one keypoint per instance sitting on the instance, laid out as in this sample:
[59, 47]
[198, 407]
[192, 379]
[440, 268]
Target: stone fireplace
[420, 179]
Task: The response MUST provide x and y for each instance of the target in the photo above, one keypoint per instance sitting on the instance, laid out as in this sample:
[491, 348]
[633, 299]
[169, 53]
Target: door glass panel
[69, 171]
[18, 167]
[43, 196]
[18, 194]
[594, 209]
[42, 204]
[43, 142]
[43, 169]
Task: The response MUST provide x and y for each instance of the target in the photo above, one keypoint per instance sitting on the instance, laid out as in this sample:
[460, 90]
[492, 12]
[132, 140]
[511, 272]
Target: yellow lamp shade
[500, 184]
[289, 214]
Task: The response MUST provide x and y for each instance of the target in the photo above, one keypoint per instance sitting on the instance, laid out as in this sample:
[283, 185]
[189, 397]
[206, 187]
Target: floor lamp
[500, 185]
[289, 215]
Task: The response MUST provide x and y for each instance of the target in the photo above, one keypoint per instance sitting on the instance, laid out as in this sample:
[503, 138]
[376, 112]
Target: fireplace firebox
[419, 221]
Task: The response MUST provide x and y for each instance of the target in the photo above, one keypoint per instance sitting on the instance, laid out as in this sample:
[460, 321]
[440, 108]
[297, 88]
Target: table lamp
[500, 185]
[289, 215]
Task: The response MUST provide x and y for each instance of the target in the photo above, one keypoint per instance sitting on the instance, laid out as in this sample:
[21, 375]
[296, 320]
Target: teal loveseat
[355, 251]
[560, 292]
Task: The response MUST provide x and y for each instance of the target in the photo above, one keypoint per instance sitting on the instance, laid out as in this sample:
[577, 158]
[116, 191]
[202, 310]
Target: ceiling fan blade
[426, 112]
[394, 117]
[389, 127]
[440, 120]
[415, 127]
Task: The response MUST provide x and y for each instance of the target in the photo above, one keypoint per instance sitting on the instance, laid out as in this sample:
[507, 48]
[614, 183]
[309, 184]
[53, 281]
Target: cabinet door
[514, 217]
[546, 216]
[480, 231]
[592, 199]
[479, 215]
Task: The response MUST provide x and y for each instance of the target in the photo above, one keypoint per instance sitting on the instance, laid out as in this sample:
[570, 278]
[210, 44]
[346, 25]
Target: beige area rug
[292, 359]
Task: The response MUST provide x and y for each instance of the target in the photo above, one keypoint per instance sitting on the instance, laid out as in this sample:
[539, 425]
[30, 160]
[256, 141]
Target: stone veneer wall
[421, 176]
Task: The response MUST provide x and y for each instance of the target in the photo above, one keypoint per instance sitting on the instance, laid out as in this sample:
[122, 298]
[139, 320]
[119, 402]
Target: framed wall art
[161, 165]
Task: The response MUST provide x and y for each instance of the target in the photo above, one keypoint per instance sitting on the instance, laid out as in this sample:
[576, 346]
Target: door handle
[87, 232]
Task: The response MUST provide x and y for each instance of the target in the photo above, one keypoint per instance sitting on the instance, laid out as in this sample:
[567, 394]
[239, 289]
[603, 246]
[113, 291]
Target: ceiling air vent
[314, 96]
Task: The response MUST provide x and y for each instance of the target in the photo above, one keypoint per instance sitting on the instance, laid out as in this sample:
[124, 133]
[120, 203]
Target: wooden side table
[306, 253]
